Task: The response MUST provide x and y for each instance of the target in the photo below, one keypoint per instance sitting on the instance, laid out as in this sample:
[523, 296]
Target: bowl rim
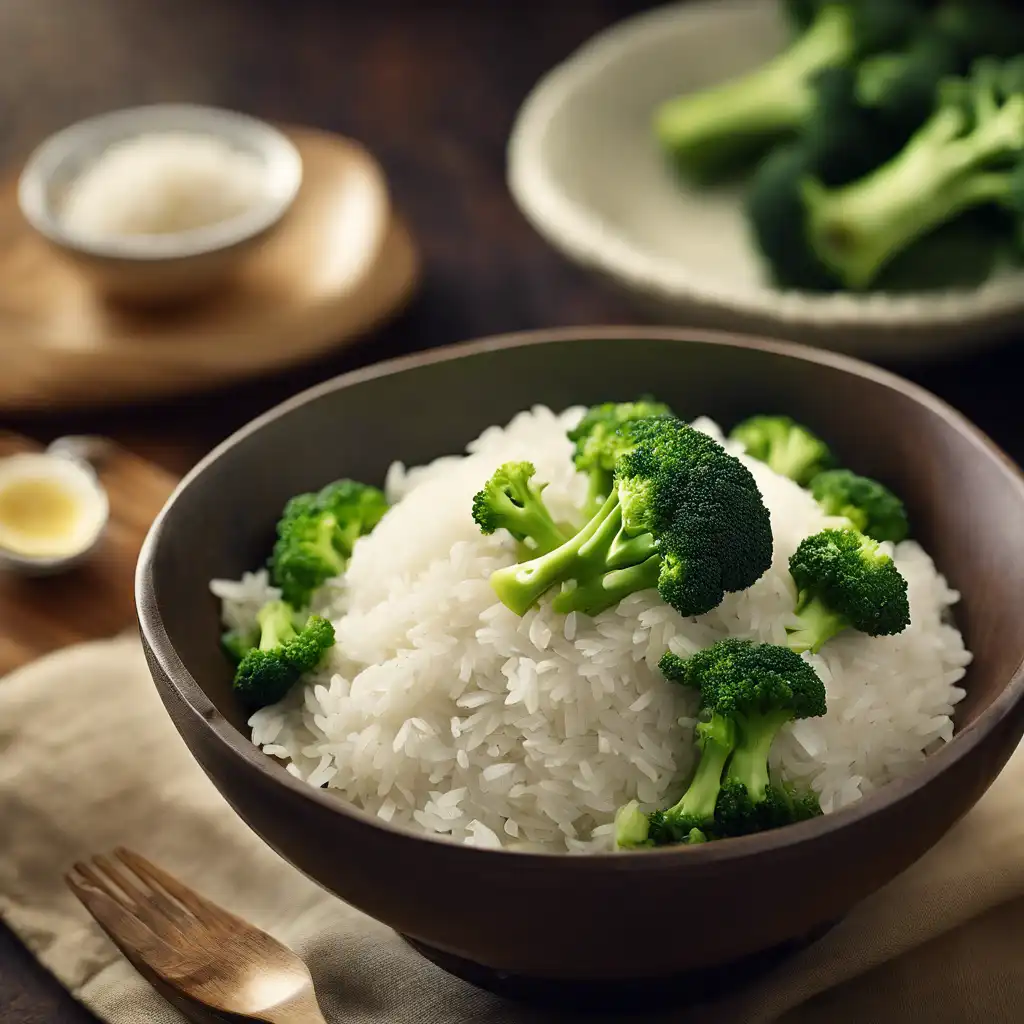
[280, 155]
[180, 682]
[579, 232]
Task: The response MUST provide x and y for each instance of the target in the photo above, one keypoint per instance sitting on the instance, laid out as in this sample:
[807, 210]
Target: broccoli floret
[748, 693]
[979, 28]
[316, 534]
[712, 133]
[844, 581]
[870, 506]
[684, 517]
[758, 688]
[896, 91]
[737, 814]
[508, 501]
[267, 672]
[785, 446]
[843, 138]
[963, 157]
[599, 441]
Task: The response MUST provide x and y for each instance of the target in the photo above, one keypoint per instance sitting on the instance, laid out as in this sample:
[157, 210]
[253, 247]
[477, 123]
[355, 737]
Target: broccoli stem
[632, 827]
[817, 625]
[326, 532]
[600, 486]
[698, 802]
[606, 563]
[709, 130]
[858, 228]
[796, 457]
[533, 520]
[277, 625]
[602, 593]
[749, 762]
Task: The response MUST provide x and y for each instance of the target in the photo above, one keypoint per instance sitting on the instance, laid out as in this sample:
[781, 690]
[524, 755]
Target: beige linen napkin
[88, 760]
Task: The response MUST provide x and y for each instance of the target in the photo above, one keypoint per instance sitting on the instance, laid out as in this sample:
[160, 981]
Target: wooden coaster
[339, 264]
[97, 598]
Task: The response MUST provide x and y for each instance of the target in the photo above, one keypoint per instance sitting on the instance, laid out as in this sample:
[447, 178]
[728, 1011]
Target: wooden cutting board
[96, 599]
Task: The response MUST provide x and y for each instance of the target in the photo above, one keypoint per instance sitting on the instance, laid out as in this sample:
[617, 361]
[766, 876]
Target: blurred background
[432, 91]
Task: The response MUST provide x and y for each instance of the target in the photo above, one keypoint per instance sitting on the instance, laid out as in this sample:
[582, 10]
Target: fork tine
[92, 877]
[127, 885]
[103, 874]
[207, 912]
[126, 930]
[146, 895]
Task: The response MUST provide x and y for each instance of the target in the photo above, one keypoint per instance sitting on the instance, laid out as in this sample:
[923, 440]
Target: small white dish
[586, 171]
[169, 265]
[53, 508]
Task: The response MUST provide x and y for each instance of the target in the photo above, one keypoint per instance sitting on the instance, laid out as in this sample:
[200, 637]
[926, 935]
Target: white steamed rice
[443, 711]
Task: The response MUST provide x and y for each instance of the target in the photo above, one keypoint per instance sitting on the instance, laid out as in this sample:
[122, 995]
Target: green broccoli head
[842, 140]
[316, 534]
[870, 506]
[267, 672]
[784, 446]
[844, 581]
[742, 680]
[737, 814]
[979, 28]
[757, 688]
[897, 88]
[684, 517]
[357, 508]
[600, 440]
[509, 501]
[748, 692]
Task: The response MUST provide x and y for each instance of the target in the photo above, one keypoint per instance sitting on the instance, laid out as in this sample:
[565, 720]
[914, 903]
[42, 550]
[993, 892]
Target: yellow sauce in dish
[40, 517]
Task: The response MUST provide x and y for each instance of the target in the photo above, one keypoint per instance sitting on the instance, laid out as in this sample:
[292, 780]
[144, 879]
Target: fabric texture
[89, 760]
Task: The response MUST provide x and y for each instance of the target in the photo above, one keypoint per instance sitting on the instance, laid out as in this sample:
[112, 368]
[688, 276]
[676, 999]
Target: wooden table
[432, 89]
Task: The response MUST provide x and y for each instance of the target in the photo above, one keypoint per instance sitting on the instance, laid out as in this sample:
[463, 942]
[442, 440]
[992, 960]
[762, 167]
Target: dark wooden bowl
[610, 917]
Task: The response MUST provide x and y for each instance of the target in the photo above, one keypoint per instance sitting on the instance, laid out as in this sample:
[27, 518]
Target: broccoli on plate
[711, 133]
[967, 155]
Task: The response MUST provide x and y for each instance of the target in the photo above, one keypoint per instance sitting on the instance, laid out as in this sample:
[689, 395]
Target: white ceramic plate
[586, 171]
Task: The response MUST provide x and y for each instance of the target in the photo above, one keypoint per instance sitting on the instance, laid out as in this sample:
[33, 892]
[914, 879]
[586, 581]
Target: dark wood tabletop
[432, 90]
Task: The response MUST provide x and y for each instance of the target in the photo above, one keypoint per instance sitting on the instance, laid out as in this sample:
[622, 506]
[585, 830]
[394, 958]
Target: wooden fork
[195, 948]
